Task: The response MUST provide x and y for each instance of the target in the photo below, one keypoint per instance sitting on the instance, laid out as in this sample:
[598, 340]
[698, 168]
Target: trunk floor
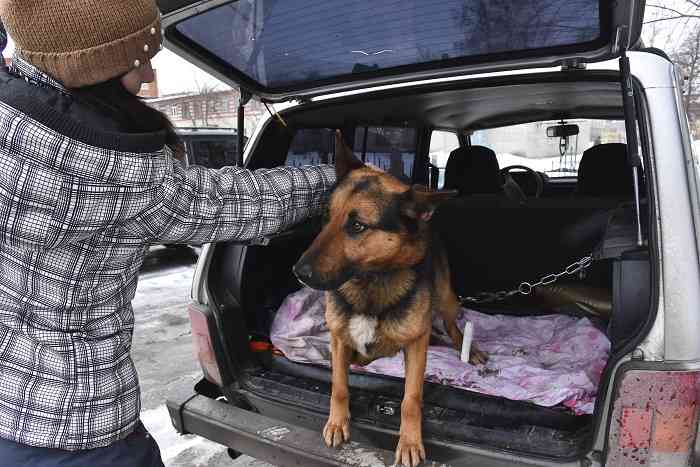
[550, 360]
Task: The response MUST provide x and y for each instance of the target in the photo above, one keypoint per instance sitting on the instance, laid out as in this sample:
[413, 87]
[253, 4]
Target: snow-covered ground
[162, 351]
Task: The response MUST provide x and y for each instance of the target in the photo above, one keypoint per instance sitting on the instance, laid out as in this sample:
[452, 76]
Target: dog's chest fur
[363, 332]
[374, 332]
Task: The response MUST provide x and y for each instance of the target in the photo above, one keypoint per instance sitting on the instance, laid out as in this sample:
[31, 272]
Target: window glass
[186, 110]
[286, 43]
[442, 143]
[391, 149]
[213, 153]
[529, 145]
[311, 146]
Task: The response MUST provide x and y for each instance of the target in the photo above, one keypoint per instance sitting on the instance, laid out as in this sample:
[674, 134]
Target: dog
[384, 272]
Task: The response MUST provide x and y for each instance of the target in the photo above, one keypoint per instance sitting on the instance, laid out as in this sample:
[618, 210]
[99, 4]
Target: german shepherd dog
[384, 272]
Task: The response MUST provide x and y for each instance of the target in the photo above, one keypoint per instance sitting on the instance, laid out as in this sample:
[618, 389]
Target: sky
[667, 35]
[175, 75]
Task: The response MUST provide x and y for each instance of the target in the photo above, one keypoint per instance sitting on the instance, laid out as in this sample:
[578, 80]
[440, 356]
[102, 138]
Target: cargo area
[583, 208]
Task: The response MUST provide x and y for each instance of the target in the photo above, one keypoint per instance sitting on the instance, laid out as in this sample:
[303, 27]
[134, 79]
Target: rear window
[391, 149]
[311, 146]
[280, 44]
[529, 145]
[442, 143]
[213, 153]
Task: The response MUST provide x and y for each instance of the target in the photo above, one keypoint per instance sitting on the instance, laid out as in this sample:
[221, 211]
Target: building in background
[208, 109]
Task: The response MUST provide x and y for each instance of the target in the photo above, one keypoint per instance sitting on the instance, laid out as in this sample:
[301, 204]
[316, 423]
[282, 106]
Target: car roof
[519, 99]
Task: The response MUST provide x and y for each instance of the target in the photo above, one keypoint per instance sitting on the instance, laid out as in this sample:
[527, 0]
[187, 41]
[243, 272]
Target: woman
[88, 179]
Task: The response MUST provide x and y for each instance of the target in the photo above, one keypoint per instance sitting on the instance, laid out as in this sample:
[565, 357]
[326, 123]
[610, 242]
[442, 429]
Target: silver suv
[594, 172]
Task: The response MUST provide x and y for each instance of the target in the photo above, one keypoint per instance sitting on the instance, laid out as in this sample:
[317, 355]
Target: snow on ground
[163, 354]
[178, 450]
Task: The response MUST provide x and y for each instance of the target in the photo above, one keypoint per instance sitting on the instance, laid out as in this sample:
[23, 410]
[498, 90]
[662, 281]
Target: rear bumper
[265, 438]
[286, 444]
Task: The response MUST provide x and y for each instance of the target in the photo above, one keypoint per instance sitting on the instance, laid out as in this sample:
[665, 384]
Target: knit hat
[83, 42]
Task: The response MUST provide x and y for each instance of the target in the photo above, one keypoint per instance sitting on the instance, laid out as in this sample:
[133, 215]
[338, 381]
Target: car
[210, 147]
[567, 142]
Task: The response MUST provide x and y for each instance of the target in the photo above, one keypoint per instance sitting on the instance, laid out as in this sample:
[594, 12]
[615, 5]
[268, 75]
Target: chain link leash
[526, 288]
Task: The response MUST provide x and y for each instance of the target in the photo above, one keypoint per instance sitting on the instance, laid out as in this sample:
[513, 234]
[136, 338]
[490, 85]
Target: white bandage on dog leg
[467, 341]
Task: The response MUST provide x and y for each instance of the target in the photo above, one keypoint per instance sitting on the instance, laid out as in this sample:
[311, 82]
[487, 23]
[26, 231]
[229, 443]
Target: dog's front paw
[477, 357]
[409, 452]
[337, 430]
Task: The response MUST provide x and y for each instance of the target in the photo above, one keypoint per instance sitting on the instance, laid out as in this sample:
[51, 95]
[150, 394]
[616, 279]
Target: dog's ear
[345, 160]
[419, 203]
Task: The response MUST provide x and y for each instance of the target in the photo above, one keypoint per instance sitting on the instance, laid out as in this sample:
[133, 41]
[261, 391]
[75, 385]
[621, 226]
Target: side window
[442, 143]
[213, 153]
[311, 146]
[391, 149]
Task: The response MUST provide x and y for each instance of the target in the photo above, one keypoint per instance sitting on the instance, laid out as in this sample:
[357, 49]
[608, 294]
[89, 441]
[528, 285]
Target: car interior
[503, 228]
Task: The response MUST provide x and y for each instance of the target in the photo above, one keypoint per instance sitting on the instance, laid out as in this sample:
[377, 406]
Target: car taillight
[655, 419]
[203, 348]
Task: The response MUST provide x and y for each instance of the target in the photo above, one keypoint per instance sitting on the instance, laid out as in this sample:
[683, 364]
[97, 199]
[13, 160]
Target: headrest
[473, 170]
[605, 172]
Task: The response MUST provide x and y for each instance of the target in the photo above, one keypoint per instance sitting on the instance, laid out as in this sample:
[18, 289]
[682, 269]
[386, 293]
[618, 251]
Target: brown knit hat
[83, 42]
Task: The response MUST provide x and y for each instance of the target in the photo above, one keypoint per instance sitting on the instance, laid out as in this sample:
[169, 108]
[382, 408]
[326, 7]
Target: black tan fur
[385, 273]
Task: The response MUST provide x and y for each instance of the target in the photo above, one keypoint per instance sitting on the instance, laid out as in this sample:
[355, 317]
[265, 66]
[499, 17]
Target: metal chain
[526, 288]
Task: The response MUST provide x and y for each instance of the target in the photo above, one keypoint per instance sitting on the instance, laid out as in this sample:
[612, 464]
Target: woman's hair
[129, 111]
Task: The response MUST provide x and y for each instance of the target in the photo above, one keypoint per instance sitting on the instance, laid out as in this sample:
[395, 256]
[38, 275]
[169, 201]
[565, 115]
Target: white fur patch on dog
[362, 330]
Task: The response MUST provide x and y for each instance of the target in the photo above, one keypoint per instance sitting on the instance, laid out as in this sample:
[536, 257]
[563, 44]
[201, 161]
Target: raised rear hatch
[285, 49]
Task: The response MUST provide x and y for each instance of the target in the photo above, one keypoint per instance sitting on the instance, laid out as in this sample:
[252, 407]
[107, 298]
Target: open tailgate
[284, 49]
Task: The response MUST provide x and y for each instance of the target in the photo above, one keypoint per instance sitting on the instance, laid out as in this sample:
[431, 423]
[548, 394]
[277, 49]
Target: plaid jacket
[78, 210]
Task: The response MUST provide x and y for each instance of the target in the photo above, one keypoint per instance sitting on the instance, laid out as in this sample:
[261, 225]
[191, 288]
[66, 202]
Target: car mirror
[562, 131]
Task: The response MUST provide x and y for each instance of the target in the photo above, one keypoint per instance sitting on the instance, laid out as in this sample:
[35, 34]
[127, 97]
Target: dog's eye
[358, 227]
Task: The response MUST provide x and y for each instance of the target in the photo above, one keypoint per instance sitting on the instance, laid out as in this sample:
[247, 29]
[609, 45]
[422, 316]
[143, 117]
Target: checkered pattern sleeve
[198, 205]
[78, 207]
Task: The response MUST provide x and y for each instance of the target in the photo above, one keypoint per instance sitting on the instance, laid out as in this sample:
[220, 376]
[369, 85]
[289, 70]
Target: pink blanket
[547, 360]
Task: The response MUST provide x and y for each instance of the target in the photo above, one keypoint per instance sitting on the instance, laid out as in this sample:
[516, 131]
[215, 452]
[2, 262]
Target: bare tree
[674, 10]
[502, 25]
[206, 97]
[687, 59]
[652, 31]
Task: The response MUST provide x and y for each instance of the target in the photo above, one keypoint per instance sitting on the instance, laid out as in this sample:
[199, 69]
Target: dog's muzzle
[304, 272]
[310, 277]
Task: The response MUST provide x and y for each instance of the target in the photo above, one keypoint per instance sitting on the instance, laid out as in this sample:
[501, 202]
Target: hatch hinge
[297, 99]
[573, 64]
[621, 42]
[245, 98]
[301, 99]
[630, 113]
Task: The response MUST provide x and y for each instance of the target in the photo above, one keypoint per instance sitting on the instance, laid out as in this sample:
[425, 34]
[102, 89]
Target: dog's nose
[303, 271]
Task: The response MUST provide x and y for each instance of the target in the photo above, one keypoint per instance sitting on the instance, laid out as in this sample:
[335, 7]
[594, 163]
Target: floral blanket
[547, 360]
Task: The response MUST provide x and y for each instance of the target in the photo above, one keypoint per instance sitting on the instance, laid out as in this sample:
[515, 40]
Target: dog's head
[374, 223]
